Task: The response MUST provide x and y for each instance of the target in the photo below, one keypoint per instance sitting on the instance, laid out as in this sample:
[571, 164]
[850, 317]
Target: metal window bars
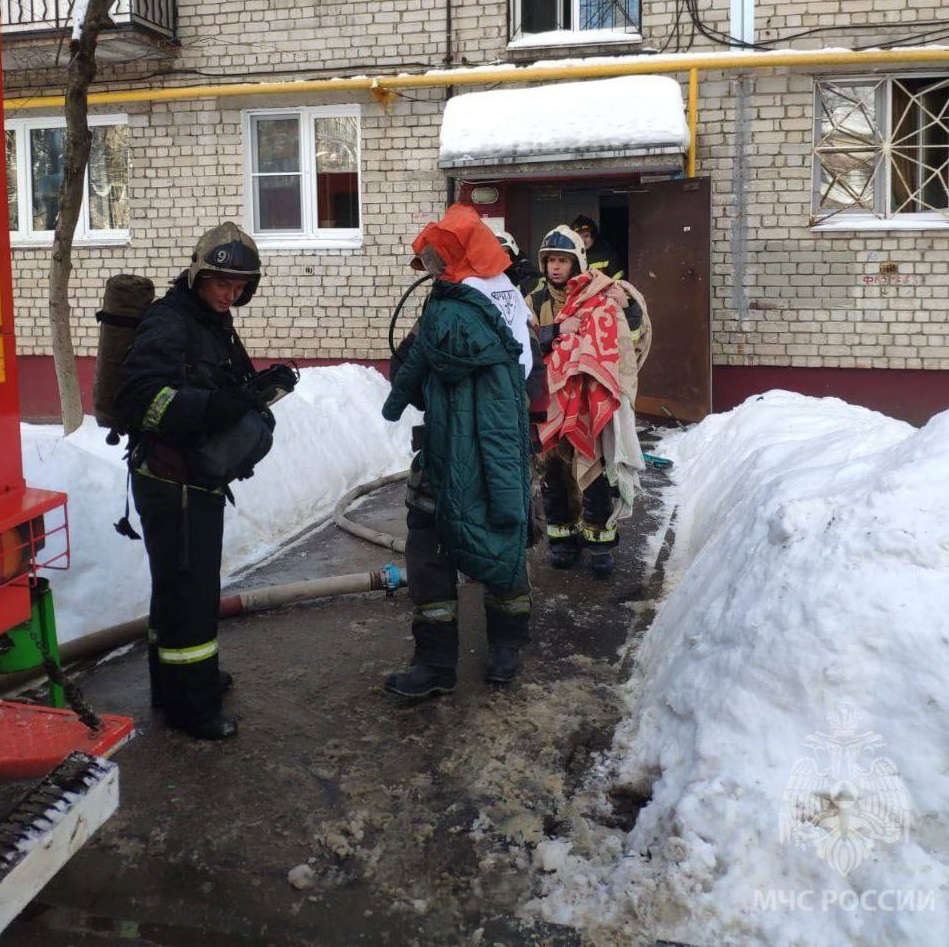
[882, 147]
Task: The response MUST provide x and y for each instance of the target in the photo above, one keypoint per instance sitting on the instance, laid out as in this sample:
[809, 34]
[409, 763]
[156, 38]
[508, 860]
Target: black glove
[274, 382]
[546, 336]
[634, 316]
[226, 406]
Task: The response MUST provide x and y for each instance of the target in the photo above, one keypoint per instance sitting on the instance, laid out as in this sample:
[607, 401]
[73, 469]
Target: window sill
[266, 242]
[44, 243]
[866, 222]
[574, 43]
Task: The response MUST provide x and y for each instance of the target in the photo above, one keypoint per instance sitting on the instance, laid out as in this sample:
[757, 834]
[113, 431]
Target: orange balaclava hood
[466, 243]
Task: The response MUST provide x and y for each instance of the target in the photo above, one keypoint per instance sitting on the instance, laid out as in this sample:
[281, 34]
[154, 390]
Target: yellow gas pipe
[644, 64]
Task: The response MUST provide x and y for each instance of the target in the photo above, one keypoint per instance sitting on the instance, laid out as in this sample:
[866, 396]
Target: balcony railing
[18, 17]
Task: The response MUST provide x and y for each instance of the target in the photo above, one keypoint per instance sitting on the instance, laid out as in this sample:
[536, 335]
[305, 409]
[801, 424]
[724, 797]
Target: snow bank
[787, 714]
[330, 437]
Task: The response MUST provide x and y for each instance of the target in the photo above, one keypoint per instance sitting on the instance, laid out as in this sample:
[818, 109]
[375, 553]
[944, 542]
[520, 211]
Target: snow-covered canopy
[626, 116]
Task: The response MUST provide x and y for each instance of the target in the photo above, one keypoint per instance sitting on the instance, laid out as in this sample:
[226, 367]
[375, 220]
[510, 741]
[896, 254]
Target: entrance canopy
[626, 117]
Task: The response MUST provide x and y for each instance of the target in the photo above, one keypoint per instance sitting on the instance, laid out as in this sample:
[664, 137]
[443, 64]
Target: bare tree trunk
[82, 70]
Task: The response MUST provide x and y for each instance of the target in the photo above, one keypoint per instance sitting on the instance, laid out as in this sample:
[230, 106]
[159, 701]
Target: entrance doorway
[609, 208]
[661, 230]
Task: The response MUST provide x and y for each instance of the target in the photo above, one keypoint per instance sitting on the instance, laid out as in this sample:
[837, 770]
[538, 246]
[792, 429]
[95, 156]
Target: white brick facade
[783, 294]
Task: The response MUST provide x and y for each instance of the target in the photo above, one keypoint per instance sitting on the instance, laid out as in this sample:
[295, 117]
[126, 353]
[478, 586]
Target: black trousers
[183, 529]
[433, 588]
[572, 516]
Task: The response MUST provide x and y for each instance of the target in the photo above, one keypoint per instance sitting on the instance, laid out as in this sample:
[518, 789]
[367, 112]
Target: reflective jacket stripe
[193, 655]
[563, 532]
[158, 407]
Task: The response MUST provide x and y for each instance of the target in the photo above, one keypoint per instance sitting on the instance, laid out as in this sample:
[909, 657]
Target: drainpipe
[739, 201]
[693, 121]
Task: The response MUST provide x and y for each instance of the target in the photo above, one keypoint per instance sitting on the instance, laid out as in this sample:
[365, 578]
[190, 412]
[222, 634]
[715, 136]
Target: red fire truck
[67, 751]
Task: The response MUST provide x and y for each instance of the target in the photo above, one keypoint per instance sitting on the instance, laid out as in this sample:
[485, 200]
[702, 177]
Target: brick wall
[782, 293]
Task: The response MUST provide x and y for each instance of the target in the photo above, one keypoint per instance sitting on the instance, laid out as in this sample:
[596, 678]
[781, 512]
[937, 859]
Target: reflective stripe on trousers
[566, 531]
[519, 605]
[441, 612]
[593, 535]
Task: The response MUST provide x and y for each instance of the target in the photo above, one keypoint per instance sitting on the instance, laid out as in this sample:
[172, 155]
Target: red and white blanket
[583, 366]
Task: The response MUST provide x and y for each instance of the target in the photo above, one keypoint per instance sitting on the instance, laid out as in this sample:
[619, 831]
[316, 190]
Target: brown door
[669, 250]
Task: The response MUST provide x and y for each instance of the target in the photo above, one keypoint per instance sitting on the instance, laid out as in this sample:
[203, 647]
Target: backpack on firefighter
[124, 302]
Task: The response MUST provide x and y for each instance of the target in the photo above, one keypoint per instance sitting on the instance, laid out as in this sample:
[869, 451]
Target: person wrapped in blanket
[595, 333]
[465, 364]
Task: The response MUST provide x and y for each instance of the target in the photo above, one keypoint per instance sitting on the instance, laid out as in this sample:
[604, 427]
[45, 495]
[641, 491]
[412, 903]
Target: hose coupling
[393, 578]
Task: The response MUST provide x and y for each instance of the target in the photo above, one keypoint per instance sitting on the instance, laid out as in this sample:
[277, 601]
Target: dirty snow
[785, 720]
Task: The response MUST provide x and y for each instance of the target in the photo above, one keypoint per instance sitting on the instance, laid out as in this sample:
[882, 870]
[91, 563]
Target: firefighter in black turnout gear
[186, 393]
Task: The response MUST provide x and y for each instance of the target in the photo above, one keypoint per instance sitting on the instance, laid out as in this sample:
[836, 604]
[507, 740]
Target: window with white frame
[882, 151]
[544, 16]
[35, 151]
[302, 175]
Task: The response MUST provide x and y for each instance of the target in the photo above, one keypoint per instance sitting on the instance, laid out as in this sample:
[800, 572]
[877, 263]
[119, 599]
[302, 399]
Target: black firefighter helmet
[227, 250]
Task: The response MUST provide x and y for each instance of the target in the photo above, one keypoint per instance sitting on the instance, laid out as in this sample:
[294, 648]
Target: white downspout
[742, 22]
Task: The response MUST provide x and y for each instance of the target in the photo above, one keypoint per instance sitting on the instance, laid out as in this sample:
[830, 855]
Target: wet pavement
[340, 816]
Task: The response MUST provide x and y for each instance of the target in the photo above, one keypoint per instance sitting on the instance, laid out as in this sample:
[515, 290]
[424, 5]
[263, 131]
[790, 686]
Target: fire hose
[389, 579]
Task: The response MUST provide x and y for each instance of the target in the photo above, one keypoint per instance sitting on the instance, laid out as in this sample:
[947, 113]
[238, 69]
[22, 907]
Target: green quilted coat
[463, 366]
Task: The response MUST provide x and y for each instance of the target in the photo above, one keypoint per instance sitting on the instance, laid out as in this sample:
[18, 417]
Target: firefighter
[186, 388]
[576, 519]
[522, 272]
[600, 254]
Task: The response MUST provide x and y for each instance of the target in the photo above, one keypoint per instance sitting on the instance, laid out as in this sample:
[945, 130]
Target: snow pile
[787, 712]
[330, 437]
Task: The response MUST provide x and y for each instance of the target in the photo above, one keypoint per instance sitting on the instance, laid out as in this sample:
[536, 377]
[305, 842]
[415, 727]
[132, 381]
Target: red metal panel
[34, 739]
[29, 540]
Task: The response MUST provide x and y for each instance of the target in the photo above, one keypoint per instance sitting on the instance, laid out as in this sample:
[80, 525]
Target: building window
[302, 176]
[36, 149]
[882, 152]
[544, 16]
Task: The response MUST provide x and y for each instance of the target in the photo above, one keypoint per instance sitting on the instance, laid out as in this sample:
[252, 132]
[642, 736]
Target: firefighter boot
[432, 671]
[563, 552]
[422, 680]
[226, 683]
[599, 534]
[503, 664]
[601, 563]
[216, 727]
[507, 623]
